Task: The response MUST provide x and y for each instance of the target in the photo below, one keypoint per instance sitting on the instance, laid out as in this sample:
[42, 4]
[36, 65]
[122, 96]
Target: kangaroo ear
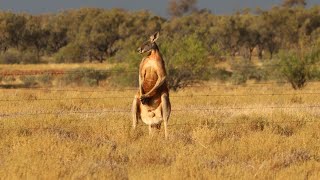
[154, 37]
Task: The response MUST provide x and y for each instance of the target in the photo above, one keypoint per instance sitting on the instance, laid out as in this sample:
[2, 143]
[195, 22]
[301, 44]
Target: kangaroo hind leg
[135, 111]
[166, 111]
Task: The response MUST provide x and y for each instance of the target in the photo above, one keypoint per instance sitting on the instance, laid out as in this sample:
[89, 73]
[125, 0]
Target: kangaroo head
[149, 45]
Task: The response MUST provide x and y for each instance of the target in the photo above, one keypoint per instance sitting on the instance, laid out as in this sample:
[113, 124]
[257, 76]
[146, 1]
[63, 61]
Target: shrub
[45, 79]
[238, 78]
[123, 76]
[245, 70]
[316, 75]
[11, 56]
[126, 74]
[221, 74]
[28, 81]
[217, 52]
[298, 68]
[84, 76]
[186, 61]
[72, 53]
[29, 58]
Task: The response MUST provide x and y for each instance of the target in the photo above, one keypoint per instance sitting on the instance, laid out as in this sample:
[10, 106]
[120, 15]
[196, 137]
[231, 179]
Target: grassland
[240, 132]
[12, 67]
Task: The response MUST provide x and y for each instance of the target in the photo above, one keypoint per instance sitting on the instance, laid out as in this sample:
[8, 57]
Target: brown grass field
[261, 131]
[10, 67]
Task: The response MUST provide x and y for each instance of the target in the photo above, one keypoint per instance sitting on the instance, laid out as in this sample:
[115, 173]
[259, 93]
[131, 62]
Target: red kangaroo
[151, 104]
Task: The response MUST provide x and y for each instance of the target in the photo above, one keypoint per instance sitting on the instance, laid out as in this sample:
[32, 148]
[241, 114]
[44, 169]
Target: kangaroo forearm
[156, 86]
[141, 90]
[140, 85]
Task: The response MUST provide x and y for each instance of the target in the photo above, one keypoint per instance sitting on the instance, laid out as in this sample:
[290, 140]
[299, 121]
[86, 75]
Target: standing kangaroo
[151, 104]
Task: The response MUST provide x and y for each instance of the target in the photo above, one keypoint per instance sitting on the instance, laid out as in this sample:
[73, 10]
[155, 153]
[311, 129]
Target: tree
[4, 39]
[228, 34]
[99, 33]
[298, 67]
[202, 24]
[58, 34]
[249, 35]
[292, 3]
[178, 8]
[186, 61]
[13, 26]
[270, 26]
[35, 35]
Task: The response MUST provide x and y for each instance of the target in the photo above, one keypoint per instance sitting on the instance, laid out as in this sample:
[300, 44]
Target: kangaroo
[151, 104]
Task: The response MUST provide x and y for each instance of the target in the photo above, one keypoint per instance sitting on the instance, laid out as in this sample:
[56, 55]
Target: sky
[158, 7]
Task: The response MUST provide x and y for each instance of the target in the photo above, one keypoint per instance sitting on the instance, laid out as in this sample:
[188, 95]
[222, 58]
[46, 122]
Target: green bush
[186, 61]
[72, 53]
[14, 56]
[298, 68]
[238, 78]
[124, 76]
[29, 81]
[221, 74]
[84, 77]
[316, 75]
[45, 79]
[245, 70]
[217, 52]
[11, 56]
[29, 57]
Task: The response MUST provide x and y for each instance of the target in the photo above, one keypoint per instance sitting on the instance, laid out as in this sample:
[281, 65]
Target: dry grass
[260, 143]
[9, 67]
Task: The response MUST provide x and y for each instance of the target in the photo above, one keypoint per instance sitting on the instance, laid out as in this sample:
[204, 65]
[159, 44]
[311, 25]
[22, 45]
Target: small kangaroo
[151, 104]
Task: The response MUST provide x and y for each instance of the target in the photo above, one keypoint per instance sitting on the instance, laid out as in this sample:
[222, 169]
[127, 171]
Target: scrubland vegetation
[244, 94]
[193, 41]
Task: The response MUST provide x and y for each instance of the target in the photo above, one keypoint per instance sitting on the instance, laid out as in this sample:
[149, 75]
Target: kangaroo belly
[150, 79]
[150, 115]
[148, 85]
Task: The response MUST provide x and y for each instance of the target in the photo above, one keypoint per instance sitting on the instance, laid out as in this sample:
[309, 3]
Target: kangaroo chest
[150, 75]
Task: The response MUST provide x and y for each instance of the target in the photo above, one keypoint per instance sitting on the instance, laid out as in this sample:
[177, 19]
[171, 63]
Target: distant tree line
[97, 34]
[192, 39]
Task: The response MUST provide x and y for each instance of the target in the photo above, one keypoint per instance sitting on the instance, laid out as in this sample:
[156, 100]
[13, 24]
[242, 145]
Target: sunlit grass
[11, 67]
[210, 137]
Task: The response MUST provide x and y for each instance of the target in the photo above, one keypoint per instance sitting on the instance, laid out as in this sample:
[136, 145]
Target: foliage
[103, 33]
[46, 79]
[84, 77]
[29, 57]
[220, 74]
[122, 76]
[93, 34]
[29, 81]
[246, 71]
[185, 61]
[291, 3]
[298, 68]
[180, 7]
[10, 57]
[72, 53]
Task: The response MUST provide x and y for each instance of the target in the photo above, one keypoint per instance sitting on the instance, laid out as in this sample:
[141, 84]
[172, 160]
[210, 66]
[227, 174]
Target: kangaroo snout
[139, 50]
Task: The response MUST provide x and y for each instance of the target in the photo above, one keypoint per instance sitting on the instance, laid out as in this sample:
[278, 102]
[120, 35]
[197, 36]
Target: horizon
[155, 7]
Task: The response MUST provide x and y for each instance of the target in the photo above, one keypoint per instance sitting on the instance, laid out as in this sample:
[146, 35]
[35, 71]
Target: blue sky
[158, 7]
